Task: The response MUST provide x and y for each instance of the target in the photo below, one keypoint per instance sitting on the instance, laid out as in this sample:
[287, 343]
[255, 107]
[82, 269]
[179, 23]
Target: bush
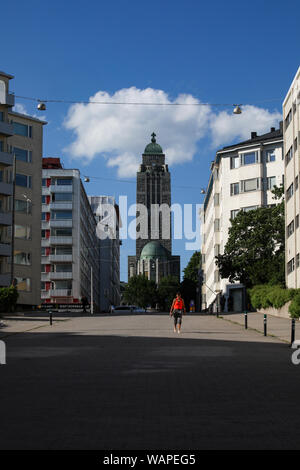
[294, 308]
[8, 299]
[264, 296]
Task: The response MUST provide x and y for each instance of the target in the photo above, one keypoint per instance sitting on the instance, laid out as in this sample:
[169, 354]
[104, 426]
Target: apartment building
[291, 139]
[22, 143]
[108, 220]
[70, 248]
[241, 178]
[6, 186]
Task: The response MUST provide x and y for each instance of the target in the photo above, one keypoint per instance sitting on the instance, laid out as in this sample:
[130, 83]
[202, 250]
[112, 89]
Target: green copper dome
[154, 148]
[154, 250]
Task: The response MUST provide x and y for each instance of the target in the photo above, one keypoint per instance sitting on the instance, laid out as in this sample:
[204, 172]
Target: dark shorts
[177, 314]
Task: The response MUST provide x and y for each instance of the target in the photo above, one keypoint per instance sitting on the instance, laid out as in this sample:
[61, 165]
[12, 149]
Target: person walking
[177, 309]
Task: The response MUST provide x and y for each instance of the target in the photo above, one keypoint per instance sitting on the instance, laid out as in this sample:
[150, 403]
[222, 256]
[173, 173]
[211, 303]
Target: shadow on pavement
[72, 391]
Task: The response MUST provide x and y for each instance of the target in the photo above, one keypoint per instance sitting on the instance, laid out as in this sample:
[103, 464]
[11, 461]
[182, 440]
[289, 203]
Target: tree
[8, 299]
[190, 281]
[254, 252]
[140, 291]
[191, 271]
[166, 291]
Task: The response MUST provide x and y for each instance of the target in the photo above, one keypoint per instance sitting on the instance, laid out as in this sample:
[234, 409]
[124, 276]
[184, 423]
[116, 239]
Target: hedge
[264, 296]
[8, 299]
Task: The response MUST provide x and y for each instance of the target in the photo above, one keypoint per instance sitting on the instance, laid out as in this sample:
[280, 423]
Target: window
[290, 229]
[23, 232]
[44, 216]
[290, 192]
[296, 183]
[23, 180]
[291, 266]
[249, 208]
[216, 276]
[43, 251]
[295, 144]
[297, 221]
[1, 116]
[44, 182]
[22, 129]
[217, 250]
[62, 232]
[271, 182]
[24, 207]
[61, 215]
[217, 225]
[64, 182]
[1, 145]
[297, 260]
[23, 284]
[63, 250]
[63, 268]
[203, 258]
[20, 257]
[249, 158]
[234, 162]
[23, 155]
[63, 284]
[289, 155]
[288, 119]
[216, 199]
[234, 213]
[43, 286]
[234, 189]
[62, 197]
[270, 156]
[43, 233]
[250, 185]
[43, 268]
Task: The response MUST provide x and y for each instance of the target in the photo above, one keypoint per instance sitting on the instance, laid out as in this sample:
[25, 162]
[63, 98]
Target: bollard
[246, 320]
[265, 325]
[50, 316]
[293, 332]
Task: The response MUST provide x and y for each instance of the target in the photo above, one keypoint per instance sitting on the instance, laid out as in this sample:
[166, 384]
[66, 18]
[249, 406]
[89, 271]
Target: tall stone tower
[153, 196]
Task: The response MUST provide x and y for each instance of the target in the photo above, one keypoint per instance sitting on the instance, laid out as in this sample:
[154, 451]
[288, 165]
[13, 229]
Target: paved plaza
[128, 382]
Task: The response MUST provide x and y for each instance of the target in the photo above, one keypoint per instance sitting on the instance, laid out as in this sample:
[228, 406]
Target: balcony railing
[61, 223]
[60, 292]
[5, 218]
[60, 258]
[61, 276]
[6, 128]
[6, 188]
[10, 99]
[61, 188]
[5, 249]
[61, 205]
[61, 240]
[4, 280]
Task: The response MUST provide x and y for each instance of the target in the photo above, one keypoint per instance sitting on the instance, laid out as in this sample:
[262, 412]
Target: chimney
[272, 129]
[253, 135]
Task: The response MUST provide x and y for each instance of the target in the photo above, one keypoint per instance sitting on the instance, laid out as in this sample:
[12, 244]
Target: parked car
[128, 309]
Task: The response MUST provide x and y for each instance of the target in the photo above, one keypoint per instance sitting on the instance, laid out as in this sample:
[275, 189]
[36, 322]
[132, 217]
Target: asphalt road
[129, 383]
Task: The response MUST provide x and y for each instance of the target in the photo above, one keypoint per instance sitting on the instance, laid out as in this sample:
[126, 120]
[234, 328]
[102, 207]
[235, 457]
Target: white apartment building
[291, 141]
[106, 212]
[241, 178]
[70, 247]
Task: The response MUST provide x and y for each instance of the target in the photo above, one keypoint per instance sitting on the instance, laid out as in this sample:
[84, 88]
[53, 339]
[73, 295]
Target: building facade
[291, 138]
[153, 218]
[24, 146]
[242, 177]
[106, 212]
[70, 248]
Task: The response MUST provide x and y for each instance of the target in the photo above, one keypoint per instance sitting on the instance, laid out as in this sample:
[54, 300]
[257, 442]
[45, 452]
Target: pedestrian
[177, 309]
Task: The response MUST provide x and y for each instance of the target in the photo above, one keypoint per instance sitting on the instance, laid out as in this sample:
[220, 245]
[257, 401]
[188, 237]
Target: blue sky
[215, 52]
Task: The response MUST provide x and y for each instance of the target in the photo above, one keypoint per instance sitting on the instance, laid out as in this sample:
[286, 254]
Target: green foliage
[294, 308]
[264, 296]
[192, 269]
[254, 252]
[8, 299]
[166, 291]
[140, 291]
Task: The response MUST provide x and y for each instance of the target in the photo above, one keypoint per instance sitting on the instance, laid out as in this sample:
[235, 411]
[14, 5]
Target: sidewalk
[20, 323]
[277, 327]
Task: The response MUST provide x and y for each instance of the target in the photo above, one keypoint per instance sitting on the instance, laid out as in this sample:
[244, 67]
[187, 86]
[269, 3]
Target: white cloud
[20, 108]
[227, 127]
[119, 133]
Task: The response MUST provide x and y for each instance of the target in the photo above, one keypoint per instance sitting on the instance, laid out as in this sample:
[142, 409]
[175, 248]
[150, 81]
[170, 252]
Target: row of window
[292, 226]
[58, 215]
[58, 197]
[250, 158]
[58, 250]
[291, 264]
[293, 187]
[252, 184]
[289, 115]
[59, 232]
[58, 181]
[58, 285]
[57, 268]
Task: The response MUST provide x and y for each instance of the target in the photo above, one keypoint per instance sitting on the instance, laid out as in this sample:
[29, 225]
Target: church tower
[154, 224]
